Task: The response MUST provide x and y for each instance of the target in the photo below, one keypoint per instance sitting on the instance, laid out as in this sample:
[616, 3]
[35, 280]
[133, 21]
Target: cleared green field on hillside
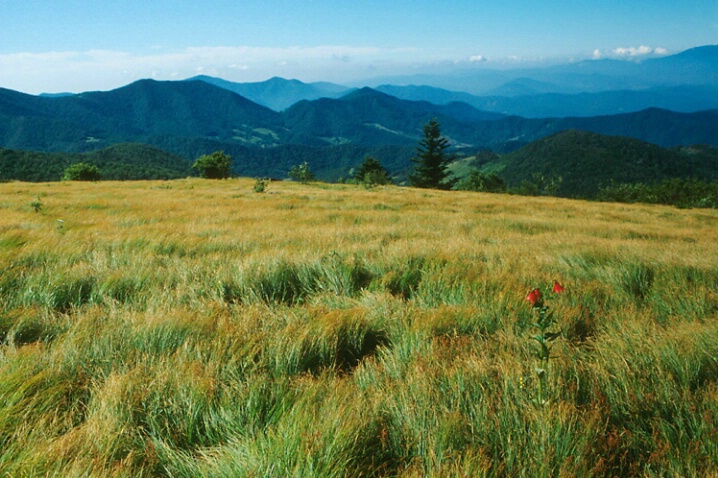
[196, 328]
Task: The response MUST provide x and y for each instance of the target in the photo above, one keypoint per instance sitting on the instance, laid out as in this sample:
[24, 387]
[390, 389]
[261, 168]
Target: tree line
[431, 164]
[430, 170]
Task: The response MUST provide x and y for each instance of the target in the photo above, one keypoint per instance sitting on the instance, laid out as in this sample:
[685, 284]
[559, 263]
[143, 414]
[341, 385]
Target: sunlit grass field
[197, 328]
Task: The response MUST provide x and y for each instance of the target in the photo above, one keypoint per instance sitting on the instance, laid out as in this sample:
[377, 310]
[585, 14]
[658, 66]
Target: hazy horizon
[74, 46]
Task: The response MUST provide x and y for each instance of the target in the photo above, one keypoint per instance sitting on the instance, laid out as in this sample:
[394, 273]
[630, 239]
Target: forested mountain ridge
[369, 117]
[134, 113]
[167, 113]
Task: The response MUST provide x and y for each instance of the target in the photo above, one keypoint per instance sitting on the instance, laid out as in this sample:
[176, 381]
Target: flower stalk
[544, 339]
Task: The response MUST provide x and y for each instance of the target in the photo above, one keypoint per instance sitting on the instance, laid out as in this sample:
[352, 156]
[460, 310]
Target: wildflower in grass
[535, 298]
[557, 288]
[544, 339]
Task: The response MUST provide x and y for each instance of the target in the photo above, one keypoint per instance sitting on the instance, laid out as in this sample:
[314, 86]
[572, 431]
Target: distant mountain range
[696, 66]
[269, 126]
[685, 98]
[685, 82]
[278, 93]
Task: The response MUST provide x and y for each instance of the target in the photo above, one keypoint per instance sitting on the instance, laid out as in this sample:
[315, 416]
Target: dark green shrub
[301, 173]
[81, 172]
[213, 166]
[482, 182]
[675, 192]
[260, 185]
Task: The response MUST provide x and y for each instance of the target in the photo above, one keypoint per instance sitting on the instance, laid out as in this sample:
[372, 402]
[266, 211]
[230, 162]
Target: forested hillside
[585, 162]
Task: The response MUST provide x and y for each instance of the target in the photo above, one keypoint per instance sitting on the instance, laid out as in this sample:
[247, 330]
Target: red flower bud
[534, 297]
[557, 288]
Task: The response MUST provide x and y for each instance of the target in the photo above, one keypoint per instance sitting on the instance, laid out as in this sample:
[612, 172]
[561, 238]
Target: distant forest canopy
[118, 162]
[137, 161]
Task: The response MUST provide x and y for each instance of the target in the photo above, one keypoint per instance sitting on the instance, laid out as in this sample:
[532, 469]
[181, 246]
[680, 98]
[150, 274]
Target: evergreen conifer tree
[431, 160]
[371, 172]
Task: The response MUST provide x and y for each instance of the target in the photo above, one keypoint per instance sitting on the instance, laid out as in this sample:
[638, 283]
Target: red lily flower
[558, 288]
[534, 297]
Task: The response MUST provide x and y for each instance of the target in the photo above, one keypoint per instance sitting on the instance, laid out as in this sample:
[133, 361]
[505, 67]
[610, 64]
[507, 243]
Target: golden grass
[298, 221]
[197, 328]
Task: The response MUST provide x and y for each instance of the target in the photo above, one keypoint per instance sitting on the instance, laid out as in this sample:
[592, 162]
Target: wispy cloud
[478, 59]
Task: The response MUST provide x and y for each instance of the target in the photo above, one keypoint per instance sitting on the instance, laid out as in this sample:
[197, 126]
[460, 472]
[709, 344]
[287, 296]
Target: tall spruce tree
[431, 160]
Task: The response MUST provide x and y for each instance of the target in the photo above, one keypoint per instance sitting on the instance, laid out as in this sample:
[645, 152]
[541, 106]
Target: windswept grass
[202, 329]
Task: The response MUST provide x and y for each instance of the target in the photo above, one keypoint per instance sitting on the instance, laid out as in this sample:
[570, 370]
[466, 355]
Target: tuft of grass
[282, 283]
[404, 279]
[637, 280]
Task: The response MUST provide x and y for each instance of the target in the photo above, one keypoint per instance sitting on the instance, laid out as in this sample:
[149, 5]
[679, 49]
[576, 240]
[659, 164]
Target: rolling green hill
[588, 161]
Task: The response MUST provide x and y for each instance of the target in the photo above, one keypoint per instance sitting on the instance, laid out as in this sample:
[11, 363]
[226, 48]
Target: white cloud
[640, 51]
[632, 51]
[478, 59]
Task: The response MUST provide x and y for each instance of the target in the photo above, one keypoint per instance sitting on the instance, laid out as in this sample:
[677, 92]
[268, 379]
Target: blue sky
[73, 45]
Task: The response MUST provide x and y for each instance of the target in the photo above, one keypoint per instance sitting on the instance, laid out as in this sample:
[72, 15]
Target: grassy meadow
[197, 328]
